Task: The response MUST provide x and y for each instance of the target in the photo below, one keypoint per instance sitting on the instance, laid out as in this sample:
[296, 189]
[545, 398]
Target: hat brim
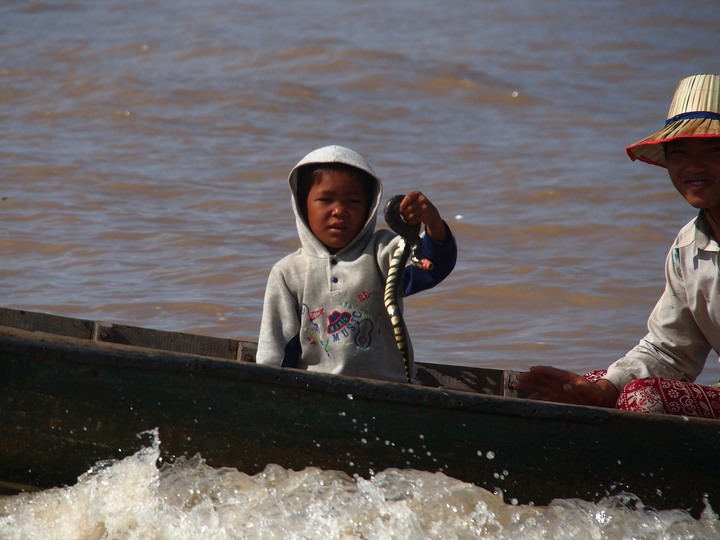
[650, 150]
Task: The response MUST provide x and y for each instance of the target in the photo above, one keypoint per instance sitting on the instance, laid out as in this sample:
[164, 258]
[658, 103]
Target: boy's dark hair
[307, 173]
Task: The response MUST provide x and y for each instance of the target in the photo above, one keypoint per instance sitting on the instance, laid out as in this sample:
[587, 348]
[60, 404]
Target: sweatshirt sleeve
[674, 347]
[278, 342]
[443, 255]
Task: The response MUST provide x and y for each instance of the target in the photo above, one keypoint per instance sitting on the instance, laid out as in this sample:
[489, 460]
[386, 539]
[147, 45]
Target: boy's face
[694, 168]
[336, 208]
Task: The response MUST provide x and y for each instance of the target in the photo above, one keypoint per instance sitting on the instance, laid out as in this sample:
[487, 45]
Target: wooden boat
[75, 392]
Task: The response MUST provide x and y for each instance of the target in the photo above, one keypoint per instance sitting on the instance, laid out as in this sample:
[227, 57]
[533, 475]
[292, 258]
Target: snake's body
[408, 247]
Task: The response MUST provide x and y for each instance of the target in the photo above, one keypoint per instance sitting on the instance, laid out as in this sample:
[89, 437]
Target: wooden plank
[44, 322]
[228, 349]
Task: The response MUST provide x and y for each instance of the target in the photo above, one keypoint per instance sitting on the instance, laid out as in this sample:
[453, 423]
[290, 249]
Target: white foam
[133, 499]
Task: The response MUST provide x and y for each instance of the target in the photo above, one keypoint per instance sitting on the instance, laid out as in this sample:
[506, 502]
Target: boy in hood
[323, 308]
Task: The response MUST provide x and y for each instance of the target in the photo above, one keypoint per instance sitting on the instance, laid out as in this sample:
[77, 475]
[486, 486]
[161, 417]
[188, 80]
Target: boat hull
[67, 404]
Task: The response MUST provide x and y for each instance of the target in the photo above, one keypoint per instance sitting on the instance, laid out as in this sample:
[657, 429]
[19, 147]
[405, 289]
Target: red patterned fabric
[593, 376]
[666, 396]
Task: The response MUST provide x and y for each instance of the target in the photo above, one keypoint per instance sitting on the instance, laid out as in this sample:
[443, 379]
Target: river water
[145, 150]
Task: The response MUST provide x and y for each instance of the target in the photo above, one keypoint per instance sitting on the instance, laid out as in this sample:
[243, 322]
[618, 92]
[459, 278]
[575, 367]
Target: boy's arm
[438, 243]
[442, 253]
[278, 343]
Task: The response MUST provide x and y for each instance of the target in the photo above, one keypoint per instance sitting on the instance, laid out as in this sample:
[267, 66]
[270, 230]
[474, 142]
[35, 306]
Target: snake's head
[397, 223]
[392, 207]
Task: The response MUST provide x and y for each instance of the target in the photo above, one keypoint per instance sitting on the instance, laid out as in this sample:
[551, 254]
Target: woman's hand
[547, 383]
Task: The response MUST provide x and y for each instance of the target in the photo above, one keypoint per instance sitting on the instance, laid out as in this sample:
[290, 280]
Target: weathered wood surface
[229, 349]
[67, 403]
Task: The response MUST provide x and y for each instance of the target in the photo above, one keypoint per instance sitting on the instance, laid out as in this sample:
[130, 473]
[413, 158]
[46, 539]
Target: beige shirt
[685, 324]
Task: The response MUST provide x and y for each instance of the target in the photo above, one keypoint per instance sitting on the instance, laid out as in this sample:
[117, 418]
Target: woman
[657, 375]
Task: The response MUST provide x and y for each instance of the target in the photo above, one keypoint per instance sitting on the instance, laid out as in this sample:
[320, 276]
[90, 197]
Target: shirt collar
[700, 234]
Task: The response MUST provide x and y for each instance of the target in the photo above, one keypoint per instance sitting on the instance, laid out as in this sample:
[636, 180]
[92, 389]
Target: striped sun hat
[694, 112]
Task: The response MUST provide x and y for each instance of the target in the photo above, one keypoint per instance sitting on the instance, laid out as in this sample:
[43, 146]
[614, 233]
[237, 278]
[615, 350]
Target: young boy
[324, 307]
[657, 375]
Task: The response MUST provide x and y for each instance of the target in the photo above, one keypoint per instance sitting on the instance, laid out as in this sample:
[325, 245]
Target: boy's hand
[417, 208]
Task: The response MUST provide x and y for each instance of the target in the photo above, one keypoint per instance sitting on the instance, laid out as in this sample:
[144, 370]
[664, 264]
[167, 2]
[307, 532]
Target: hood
[335, 154]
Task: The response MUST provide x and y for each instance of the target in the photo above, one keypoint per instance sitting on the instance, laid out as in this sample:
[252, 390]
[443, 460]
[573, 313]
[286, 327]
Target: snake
[409, 247]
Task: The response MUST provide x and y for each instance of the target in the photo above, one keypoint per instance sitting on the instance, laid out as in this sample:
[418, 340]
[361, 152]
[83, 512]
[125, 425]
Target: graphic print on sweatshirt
[341, 326]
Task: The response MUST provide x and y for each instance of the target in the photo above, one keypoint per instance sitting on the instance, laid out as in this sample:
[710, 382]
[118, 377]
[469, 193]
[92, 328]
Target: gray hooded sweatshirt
[325, 312]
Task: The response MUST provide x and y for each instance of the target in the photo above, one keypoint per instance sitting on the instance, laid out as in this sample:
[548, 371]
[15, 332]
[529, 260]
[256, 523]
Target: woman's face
[694, 168]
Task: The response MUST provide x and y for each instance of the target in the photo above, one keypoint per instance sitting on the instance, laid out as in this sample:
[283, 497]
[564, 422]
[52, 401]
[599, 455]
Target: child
[324, 307]
[657, 375]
